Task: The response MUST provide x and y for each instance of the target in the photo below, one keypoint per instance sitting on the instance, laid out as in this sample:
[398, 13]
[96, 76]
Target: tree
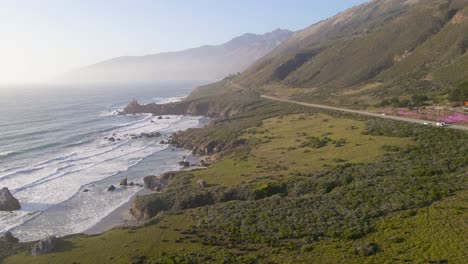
[460, 93]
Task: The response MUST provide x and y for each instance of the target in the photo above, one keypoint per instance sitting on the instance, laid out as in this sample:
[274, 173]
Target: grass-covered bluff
[294, 185]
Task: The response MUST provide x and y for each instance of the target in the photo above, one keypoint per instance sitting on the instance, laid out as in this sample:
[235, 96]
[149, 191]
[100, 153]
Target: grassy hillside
[406, 47]
[301, 186]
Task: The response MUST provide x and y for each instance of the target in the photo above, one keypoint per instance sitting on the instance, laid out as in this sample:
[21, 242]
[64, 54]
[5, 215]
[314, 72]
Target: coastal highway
[404, 119]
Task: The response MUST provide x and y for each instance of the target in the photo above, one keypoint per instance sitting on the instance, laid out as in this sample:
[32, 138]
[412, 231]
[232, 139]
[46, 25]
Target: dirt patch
[459, 18]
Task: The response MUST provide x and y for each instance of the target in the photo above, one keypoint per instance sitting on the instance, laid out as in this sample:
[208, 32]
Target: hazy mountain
[202, 63]
[378, 49]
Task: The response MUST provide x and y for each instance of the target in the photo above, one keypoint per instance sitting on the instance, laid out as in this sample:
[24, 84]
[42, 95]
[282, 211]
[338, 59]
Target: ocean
[54, 145]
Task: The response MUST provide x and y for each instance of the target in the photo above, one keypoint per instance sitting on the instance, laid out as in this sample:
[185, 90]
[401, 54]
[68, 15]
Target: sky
[41, 39]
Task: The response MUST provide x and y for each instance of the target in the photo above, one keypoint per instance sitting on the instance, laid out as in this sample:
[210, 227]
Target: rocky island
[7, 201]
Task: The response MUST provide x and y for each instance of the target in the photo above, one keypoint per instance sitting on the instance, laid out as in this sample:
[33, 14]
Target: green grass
[122, 245]
[436, 234]
[303, 188]
[277, 151]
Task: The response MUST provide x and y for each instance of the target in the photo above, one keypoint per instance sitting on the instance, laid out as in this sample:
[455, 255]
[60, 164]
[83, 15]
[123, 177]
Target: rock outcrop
[7, 201]
[151, 134]
[184, 164]
[111, 188]
[8, 238]
[202, 183]
[158, 183]
[44, 246]
[124, 182]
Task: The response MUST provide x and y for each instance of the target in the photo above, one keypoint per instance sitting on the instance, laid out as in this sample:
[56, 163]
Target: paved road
[404, 119]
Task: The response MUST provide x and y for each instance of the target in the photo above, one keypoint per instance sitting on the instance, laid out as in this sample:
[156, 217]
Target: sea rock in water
[202, 183]
[131, 184]
[160, 117]
[124, 182]
[184, 163]
[111, 139]
[7, 201]
[111, 188]
[8, 238]
[44, 246]
[85, 190]
[151, 135]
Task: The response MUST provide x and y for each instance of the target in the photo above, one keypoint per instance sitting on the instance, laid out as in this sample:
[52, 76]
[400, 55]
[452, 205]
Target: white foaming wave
[87, 152]
[6, 153]
[73, 168]
[59, 158]
[39, 196]
[110, 112]
[82, 211]
[143, 120]
[152, 126]
[9, 220]
[61, 177]
[165, 100]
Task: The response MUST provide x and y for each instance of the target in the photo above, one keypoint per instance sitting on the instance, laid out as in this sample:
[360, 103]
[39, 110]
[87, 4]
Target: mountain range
[383, 48]
[210, 62]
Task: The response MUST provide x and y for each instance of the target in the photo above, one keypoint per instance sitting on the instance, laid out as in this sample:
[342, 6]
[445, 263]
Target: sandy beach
[121, 216]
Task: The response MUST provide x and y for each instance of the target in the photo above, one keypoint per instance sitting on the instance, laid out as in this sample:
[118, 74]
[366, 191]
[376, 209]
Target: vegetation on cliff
[301, 186]
[378, 50]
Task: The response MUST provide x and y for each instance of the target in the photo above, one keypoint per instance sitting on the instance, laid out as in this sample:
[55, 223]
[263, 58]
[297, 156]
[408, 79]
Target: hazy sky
[40, 39]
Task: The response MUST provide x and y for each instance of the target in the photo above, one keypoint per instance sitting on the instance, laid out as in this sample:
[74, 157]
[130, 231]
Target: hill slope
[398, 47]
[202, 63]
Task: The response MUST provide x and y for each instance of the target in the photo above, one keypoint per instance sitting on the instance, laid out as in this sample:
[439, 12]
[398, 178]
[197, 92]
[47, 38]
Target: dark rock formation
[202, 183]
[44, 246]
[111, 139]
[143, 209]
[153, 183]
[189, 107]
[7, 201]
[8, 238]
[131, 184]
[151, 134]
[184, 163]
[111, 188]
[158, 183]
[85, 190]
[124, 182]
[204, 163]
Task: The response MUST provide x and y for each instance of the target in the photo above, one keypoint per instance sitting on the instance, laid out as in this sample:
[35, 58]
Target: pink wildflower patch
[458, 117]
[405, 112]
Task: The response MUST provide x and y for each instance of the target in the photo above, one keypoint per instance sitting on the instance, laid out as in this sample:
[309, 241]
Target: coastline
[121, 216]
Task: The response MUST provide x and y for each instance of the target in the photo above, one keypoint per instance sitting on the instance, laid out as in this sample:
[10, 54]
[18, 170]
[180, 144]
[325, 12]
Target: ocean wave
[58, 158]
[165, 100]
[58, 171]
[27, 135]
[6, 153]
[88, 161]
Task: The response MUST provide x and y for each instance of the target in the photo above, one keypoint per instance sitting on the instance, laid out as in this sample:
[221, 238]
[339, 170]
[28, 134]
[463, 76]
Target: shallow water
[54, 144]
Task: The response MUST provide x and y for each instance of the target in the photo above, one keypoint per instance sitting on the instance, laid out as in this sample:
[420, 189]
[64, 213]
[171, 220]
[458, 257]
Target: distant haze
[41, 40]
[202, 63]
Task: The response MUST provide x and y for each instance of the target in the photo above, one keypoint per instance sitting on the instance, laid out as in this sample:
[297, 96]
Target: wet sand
[119, 217]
